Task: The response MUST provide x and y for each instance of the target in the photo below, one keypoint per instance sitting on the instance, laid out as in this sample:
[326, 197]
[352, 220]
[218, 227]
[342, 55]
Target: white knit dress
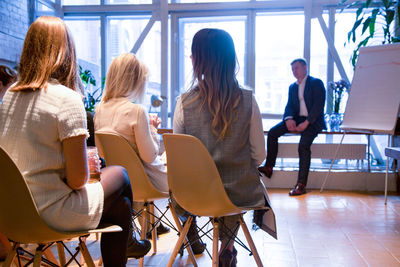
[33, 125]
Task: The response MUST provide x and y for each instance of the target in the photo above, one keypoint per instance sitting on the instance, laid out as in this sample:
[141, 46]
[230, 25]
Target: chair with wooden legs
[22, 224]
[196, 185]
[116, 150]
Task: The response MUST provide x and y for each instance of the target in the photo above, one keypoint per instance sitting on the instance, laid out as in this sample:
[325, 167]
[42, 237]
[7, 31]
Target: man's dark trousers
[304, 149]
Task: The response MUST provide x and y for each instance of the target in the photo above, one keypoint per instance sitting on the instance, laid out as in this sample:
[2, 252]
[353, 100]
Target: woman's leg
[229, 226]
[117, 210]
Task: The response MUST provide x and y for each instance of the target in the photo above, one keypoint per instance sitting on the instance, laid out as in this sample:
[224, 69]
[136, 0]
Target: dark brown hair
[214, 76]
[7, 75]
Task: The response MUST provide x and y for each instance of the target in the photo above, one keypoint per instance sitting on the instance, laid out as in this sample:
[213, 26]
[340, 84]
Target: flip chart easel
[374, 99]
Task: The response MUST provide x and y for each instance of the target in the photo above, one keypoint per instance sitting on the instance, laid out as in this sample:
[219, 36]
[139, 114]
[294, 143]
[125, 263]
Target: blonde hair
[126, 77]
[48, 53]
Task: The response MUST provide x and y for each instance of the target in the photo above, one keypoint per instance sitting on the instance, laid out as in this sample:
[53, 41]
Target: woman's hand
[154, 120]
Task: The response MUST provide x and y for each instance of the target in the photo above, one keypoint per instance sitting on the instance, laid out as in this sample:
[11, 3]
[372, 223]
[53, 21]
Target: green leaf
[368, 3]
[387, 3]
[354, 58]
[357, 23]
[395, 39]
[372, 27]
[375, 12]
[366, 25]
[389, 16]
[398, 14]
[359, 11]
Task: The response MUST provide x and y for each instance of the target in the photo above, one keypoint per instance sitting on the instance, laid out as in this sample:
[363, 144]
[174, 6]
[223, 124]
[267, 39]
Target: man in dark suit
[304, 114]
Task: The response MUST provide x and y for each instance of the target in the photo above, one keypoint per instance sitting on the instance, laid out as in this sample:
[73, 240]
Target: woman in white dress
[43, 128]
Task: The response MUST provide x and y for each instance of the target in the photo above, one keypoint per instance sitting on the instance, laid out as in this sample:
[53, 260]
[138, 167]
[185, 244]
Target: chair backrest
[117, 151]
[19, 219]
[194, 179]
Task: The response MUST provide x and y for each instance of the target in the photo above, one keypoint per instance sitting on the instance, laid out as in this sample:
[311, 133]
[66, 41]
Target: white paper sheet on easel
[374, 99]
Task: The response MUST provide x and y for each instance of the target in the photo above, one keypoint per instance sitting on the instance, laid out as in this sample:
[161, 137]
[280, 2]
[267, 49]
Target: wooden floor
[317, 229]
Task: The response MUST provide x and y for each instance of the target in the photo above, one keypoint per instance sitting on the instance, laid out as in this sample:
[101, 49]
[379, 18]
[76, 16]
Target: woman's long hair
[214, 76]
[126, 77]
[48, 53]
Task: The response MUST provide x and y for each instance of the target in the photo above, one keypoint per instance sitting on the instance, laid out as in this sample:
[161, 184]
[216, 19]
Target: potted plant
[92, 96]
[369, 16]
[337, 91]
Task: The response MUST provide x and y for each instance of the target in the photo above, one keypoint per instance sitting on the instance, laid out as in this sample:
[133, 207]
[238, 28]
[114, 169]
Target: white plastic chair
[21, 223]
[116, 150]
[195, 183]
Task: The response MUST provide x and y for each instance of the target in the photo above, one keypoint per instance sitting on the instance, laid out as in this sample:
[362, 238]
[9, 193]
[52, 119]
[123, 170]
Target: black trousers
[304, 149]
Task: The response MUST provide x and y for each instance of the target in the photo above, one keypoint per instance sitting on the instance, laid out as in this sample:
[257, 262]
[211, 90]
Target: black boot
[196, 244]
[137, 248]
[228, 258]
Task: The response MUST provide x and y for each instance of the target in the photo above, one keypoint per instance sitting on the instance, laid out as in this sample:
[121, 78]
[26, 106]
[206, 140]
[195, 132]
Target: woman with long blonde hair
[120, 111]
[43, 128]
[226, 118]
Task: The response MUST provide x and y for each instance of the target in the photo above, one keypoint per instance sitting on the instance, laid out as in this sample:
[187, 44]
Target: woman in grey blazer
[226, 118]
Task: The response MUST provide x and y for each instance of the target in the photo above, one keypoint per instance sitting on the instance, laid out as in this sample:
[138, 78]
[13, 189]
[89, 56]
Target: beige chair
[196, 185]
[116, 150]
[21, 223]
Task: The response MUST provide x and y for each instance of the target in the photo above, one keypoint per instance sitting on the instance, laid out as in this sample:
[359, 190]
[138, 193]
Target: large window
[123, 32]
[279, 40]
[188, 27]
[86, 33]
[318, 50]
[81, 2]
[268, 35]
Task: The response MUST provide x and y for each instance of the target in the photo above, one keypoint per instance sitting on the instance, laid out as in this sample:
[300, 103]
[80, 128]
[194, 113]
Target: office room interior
[349, 214]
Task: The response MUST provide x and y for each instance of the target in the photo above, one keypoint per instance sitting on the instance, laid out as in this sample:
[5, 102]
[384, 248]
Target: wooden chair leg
[143, 231]
[37, 259]
[61, 253]
[154, 231]
[85, 252]
[215, 256]
[179, 243]
[250, 242]
[50, 256]
[82, 259]
[179, 226]
[11, 255]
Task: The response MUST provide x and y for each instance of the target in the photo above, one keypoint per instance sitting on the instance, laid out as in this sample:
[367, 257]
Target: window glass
[120, 2]
[81, 2]
[279, 40]
[86, 34]
[42, 7]
[318, 50]
[344, 23]
[207, 1]
[235, 26]
[122, 35]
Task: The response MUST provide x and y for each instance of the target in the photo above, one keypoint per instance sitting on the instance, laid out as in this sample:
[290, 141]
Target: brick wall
[14, 23]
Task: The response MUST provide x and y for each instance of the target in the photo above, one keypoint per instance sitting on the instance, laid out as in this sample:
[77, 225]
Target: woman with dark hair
[7, 77]
[43, 128]
[226, 118]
